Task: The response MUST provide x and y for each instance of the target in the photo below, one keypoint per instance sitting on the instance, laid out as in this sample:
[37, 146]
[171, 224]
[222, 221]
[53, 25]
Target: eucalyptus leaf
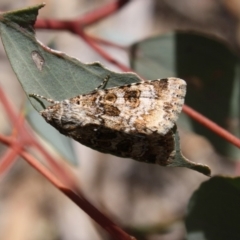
[182, 161]
[213, 210]
[44, 71]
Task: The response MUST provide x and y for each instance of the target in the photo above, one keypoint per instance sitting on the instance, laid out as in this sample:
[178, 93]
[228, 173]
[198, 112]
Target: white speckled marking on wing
[148, 117]
[150, 113]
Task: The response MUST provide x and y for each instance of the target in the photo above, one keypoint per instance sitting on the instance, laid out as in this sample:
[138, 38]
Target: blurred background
[197, 40]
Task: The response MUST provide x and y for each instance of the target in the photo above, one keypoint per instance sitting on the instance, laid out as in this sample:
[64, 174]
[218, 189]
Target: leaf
[213, 210]
[212, 74]
[55, 75]
[181, 161]
[47, 72]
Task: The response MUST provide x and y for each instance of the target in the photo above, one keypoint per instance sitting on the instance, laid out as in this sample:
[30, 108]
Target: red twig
[107, 43]
[7, 106]
[99, 50]
[8, 159]
[102, 12]
[85, 20]
[76, 196]
[211, 125]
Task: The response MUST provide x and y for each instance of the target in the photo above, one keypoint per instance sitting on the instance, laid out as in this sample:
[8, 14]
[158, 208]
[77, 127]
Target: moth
[131, 121]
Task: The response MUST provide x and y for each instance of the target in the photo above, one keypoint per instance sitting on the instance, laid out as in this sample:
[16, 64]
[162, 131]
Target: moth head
[52, 114]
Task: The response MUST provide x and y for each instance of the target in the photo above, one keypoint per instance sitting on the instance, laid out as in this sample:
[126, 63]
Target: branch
[85, 20]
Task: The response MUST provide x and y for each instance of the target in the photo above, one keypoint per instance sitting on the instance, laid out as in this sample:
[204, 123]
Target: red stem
[85, 20]
[8, 159]
[77, 197]
[211, 125]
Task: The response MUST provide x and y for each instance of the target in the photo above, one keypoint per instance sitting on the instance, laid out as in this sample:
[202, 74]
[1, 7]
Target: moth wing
[146, 107]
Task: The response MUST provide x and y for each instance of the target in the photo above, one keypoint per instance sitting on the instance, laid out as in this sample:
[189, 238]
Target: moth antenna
[42, 97]
[103, 84]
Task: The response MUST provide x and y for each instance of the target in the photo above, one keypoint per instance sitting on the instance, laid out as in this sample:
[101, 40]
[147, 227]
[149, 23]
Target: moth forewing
[134, 121]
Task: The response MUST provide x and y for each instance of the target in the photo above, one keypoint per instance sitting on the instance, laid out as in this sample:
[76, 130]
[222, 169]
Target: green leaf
[213, 211]
[47, 72]
[181, 161]
[25, 18]
[211, 71]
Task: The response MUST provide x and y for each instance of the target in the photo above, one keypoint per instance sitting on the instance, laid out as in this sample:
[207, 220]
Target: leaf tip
[204, 169]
